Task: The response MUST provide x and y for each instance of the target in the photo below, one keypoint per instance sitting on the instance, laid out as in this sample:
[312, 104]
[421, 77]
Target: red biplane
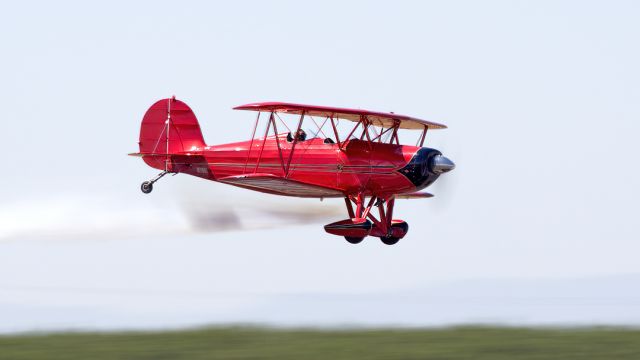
[368, 167]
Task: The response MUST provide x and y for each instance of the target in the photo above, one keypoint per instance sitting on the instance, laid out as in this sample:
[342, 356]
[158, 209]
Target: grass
[476, 343]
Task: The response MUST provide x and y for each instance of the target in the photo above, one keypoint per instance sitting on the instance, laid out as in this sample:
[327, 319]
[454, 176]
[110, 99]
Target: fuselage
[358, 166]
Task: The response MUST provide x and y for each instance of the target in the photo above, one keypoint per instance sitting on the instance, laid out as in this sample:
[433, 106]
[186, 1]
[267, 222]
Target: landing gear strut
[147, 186]
[363, 223]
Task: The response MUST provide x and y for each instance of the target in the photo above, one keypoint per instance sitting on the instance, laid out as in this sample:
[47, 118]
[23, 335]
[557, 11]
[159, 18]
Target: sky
[542, 103]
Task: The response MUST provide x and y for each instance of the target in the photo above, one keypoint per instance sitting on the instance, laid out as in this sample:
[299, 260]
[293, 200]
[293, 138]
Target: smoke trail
[95, 218]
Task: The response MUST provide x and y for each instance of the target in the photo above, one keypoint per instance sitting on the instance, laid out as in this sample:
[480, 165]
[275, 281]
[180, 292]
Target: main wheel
[146, 187]
[354, 239]
[389, 240]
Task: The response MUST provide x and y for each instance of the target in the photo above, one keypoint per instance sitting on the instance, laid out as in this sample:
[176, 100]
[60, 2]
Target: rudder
[182, 134]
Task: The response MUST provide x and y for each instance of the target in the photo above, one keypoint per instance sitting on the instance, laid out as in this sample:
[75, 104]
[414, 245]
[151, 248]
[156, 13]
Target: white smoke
[94, 217]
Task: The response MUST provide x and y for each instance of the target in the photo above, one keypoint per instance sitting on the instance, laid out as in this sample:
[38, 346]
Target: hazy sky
[542, 100]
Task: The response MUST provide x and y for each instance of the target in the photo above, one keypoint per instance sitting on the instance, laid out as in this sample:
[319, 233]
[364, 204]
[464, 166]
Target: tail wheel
[146, 187]
[354, 239]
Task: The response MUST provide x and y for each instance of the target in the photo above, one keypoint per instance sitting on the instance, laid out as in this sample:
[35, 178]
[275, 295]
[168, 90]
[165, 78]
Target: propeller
[444, 187]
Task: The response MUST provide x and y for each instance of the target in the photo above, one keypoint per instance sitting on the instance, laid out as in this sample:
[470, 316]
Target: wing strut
[264, 140]
[253, 136]
[166, 161]
[293, 146]
[395, 133]
[275, 130]
[352, 131]
[379, 137]
[423, 136]
[366, 123]
[335, 131]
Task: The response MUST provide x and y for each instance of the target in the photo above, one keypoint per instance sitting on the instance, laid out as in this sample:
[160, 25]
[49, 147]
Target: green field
[262, 343]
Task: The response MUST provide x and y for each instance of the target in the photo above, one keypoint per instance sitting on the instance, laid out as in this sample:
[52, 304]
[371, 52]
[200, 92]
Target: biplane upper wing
[385, 120]
[280, 186]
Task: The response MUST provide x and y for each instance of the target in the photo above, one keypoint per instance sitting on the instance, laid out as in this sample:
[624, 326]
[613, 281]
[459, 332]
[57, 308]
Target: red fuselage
[361, 166]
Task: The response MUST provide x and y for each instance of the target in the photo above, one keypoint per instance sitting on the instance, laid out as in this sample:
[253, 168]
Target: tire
[354, 239]
[146, 187]
[389, 240]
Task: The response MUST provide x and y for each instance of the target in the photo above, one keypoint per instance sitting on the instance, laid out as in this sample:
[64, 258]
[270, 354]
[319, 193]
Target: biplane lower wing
[147, 154]
[139, 154]
[415, 195]
[276, 185]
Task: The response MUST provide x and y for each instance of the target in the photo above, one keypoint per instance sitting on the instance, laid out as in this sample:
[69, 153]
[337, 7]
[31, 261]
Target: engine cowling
[426, 166]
